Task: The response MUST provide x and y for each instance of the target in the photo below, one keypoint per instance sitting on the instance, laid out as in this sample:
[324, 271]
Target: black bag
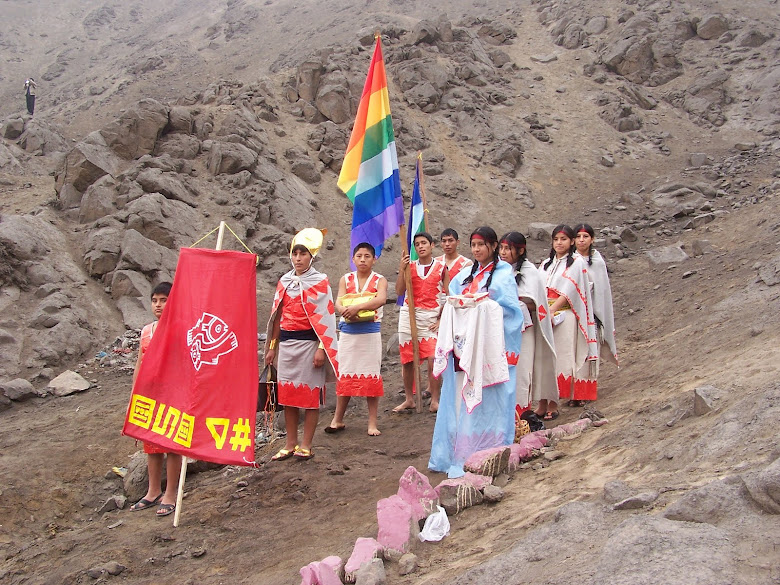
[267, 397]
[534, 420]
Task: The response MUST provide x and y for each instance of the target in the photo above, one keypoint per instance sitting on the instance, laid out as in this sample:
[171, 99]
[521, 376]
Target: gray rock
[12, 128]
[136, 479]
[544, 58]
[103, 246]
[706, 399]
[129, 283]
[137, 130]
[332, 99]
[371, 573]
[627, 234]
[178, 146]
[179, 120]
[89, 160]
[616, 491]
[5, 402]
[391, 347]
[134, 314]
[596, 25]
[456, 498]
[770, 271]
[712, 26]
[98, 200]
[41, 139]
[752, 38]
[607, 160]
[114, 568]
[18, 389]
[667, 255]
[407, 564]
[493, 494]
[701, 247]
[170, 223]
[168, 184]
[21, 236]
[308, 79]
[144, 255]
[764, 487]
[648, 550]
[230, 158]
[636, 502]
[108, 506]
[540, 231]
[68, 382]
[714, 503]
[697, 159]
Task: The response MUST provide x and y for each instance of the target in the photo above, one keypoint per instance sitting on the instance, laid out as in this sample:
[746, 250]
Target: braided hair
[517, 241]
[584, 227]
[489, 235]
[569, 233]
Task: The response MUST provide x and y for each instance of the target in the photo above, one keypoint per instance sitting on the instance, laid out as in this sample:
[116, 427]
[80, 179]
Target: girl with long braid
[536, 376]
[476, 352]
[601, 293]
[574, 328]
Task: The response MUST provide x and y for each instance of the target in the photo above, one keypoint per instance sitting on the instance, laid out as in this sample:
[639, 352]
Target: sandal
[143, 504]
[165, 510]
[283, 454]
[551, 415]
[303, 454]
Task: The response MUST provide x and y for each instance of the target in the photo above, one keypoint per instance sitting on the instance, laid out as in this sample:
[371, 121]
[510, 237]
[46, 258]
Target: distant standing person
[29, 92]
[449, 245]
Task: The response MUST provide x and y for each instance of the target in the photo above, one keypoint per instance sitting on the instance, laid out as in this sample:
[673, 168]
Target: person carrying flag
[429, 282]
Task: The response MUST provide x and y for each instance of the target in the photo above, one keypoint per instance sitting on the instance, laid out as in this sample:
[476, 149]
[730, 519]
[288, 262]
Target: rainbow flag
[369, 175]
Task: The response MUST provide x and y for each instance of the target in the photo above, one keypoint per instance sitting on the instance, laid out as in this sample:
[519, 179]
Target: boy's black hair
[300, 248]
[365, 246]
[164, 288]
[425, 235]
[449, 232]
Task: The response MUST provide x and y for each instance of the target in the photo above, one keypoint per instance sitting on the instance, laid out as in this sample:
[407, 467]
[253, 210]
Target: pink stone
[519, 452]
[365, 550]
[472, 479]
[488, 461]
[416, 490]
[534, 441]
[397, 525]
[324, 572]
[600, 423]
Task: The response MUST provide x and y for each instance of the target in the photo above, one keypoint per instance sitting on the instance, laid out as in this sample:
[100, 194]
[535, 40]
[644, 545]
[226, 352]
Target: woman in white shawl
[536, 376]
[601, 292]
[574, 328]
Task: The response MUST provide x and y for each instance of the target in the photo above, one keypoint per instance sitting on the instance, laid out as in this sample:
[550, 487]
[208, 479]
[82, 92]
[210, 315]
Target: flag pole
[183, 473]
[422, 193]
[412, 323]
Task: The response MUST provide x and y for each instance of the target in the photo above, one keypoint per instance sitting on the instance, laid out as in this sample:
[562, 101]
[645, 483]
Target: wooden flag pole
[412, 324]
[183, 473]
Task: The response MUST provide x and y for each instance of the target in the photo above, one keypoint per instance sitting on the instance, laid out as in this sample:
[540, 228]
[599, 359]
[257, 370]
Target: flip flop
[165, 510]
[283, 454]
[330, 430]
[303, 454]
[551, 415]
[143, 504]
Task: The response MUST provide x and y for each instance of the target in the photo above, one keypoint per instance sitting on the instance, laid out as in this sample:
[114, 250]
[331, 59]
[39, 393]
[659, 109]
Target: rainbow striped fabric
[369, 175]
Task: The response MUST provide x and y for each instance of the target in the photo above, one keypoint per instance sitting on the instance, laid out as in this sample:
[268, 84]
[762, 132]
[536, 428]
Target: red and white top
[427, 284]
[371, 285]
[294, 317]
[456, 265]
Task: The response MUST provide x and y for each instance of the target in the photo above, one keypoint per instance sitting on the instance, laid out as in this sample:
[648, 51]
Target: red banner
[196, 391]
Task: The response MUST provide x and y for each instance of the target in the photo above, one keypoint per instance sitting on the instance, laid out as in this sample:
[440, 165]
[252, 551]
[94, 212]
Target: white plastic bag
[437, 526]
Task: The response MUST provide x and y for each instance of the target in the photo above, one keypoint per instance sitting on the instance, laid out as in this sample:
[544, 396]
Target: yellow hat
[311, 238]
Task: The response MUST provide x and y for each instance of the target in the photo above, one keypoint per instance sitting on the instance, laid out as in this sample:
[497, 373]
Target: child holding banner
[429, 282]
[301, 338]
[362, 294]
[155, 454]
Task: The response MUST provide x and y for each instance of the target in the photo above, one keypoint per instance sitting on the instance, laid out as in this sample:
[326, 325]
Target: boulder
[144, 255]
[540, 231]
[398, 527]
[752, 37]
[372, 573]
[667, 255]
[415, 489]
[40, 139]
[769, 272]
[764, 487]
[717, 502]
[178, 146]
[230, 158]
[103, 246]
[706, 399]
[21, 236]
[98, 200]
[712, 26]
[17, 390]
[179, 121]
[137, 130]
[129, 283]
[325, 572]
[458, 494]
[168, 184]
[364, 551]
[636, 502]
[616, 491]
[89, 160]
[68, 382]
[332, 99]
[12, 128]
[168, 222]
[488, 462]
[308, 79]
